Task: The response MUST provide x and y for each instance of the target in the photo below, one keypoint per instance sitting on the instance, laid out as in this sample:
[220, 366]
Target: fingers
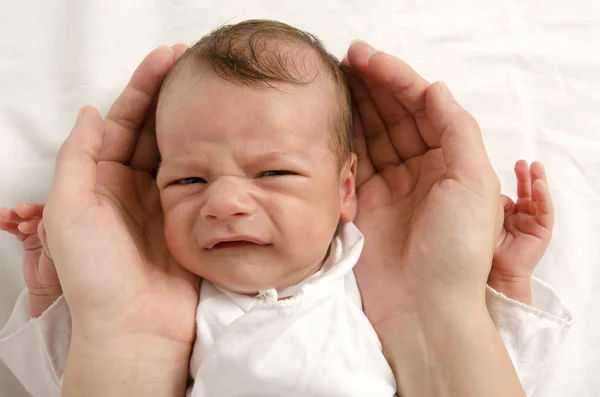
[9, 215]
[31, 242]
[400, 123]
[401, 81]
[365, 168]
[459, 134]
[523, 187]
[541, 196]
[126, 116]
[380, 148]
[75, 169]
[11, 227]
[145, 155]
[533, 194]
[29, 227]
[13, 223]
[178, 50]
[358, 55]
[29, 210]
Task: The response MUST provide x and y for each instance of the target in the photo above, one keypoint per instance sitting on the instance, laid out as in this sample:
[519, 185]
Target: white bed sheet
[528, 71]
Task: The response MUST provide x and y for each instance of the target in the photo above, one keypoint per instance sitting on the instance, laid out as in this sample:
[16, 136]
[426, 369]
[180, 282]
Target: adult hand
[429, 207]
[131, 303]
[429, 200]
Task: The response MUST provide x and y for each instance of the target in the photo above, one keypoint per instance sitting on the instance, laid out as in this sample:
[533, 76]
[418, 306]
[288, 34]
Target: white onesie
[316, 342]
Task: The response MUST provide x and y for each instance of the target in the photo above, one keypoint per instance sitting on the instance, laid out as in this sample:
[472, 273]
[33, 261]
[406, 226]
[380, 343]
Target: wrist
[514, 287]
[422, 331]
[41, 300]
[446, 351]
[126, 366]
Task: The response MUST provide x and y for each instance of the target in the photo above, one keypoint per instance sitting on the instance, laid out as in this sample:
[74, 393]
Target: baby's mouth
[235, 244]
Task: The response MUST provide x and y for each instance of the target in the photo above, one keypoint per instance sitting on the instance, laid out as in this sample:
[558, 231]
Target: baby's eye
[275, 173]
[190, 180]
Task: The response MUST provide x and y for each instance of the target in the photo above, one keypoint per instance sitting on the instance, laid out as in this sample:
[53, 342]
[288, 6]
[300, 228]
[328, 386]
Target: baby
[257, 183]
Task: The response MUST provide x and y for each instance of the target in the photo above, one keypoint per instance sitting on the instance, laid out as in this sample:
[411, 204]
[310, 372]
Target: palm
[152, 286]
[394, 196]
[400, 212]
[524, 241]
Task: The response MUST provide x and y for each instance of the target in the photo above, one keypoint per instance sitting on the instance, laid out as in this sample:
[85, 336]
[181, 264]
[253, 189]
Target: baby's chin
[248, 271]
[250, 280]
[242, 277]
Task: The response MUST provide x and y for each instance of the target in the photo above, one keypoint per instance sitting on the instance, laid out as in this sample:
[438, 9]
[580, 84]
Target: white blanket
[527, 70]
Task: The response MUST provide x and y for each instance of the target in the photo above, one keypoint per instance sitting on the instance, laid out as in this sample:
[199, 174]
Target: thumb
[500, 216]
[460, 136]
[508, 205]
[75, 169]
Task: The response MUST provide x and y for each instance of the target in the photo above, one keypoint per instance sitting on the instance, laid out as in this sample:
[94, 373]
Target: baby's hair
[259, 52]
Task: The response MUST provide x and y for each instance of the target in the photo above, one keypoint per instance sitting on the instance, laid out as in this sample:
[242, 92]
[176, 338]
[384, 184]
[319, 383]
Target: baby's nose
[227, 197]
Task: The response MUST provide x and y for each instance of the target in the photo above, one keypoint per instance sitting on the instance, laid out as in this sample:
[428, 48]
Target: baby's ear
[348, 189]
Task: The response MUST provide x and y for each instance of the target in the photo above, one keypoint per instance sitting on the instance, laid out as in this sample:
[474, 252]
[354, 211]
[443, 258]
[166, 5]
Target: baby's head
[253, 127]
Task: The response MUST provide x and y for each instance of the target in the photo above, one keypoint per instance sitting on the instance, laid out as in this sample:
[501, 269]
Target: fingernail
[445, 91]
[80, 114]
[166, 47]
[371, 49]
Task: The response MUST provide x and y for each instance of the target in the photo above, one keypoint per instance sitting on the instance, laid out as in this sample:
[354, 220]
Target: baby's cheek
[181, 234]
[313, 236]
[176, 236]
[171, 236]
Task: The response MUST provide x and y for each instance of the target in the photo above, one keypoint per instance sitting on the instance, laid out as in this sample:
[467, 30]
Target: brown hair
[260, 52]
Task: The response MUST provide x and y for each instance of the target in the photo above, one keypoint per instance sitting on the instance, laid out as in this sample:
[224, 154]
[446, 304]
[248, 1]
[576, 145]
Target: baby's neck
[287, 292]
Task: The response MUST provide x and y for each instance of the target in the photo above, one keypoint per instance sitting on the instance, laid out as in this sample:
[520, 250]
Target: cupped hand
[429, 207]
[104, 221]
[428, 198]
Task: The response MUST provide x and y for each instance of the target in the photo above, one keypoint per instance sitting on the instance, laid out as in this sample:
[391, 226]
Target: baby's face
[251, 191]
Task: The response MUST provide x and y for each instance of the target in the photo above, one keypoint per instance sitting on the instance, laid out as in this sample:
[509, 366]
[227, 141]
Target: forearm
[450, 355]
[133, 366]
